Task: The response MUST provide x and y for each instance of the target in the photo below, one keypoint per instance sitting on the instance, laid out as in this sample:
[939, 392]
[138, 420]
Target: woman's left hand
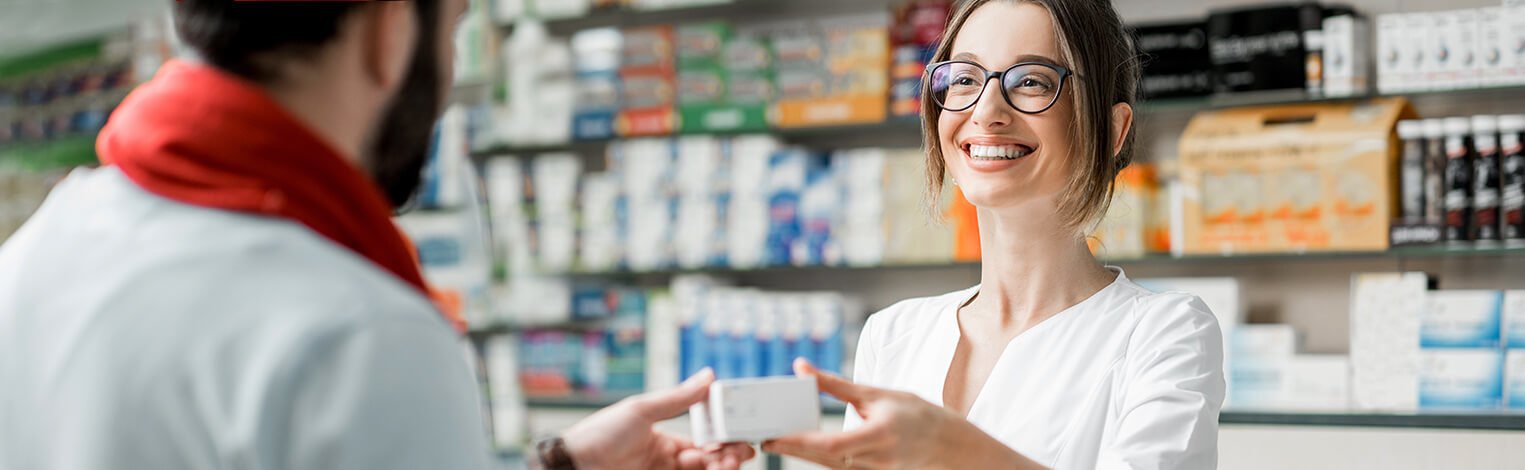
[900, 430]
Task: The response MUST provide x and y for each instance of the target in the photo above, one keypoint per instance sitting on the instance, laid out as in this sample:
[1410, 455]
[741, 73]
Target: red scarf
[199, 136]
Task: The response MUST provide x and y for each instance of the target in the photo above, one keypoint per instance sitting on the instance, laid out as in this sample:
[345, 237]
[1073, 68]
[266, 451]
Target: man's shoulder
[100, 236]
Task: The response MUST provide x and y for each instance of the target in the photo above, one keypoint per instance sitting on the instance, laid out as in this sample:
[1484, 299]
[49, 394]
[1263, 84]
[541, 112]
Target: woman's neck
[1031, 269]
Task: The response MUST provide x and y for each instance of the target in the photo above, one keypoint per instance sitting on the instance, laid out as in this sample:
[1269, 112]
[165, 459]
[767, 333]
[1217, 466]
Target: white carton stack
[646, 167]
[508, 414]
[747, 216]
[601, 249]
[1384, 340]
[555, 178]
[699, 230]
[861, 227]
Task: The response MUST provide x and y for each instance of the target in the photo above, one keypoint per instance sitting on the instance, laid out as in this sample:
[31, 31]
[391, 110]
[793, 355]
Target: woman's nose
[992, 111]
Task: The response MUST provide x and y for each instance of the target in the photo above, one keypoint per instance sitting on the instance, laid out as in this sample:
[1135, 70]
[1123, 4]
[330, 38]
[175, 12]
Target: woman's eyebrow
[969, 56]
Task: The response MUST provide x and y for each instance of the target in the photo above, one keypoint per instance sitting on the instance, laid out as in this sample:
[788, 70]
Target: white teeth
[1000, 152]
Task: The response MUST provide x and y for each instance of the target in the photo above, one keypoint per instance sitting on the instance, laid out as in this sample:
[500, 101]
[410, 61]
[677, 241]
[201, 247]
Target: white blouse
[1126, 379]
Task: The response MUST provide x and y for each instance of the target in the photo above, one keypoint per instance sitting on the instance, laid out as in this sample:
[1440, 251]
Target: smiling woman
[1053, 360]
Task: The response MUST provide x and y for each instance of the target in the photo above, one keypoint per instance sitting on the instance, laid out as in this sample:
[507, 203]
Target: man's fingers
[691, 459]
[667, 404]
[831, 384]
[742, 452]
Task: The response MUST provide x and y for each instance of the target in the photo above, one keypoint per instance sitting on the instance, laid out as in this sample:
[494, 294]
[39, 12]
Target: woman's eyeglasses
[1030, 87]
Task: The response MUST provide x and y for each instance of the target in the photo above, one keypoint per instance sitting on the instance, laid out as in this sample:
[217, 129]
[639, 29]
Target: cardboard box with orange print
[1295, 178]
[833, 71]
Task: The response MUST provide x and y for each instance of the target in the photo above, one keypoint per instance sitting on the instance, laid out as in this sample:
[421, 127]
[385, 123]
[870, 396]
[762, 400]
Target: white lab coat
[1126, 379]
[141, 333]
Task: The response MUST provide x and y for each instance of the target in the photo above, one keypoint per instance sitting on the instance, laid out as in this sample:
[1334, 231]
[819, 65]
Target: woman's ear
[1122, 122]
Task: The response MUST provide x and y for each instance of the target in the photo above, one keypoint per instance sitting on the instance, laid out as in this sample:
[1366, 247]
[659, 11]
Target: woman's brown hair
[1094, 43]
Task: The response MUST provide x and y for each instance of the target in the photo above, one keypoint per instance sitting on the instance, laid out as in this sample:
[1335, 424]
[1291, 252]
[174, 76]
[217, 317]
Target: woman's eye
[1029, 82]
[963, 81]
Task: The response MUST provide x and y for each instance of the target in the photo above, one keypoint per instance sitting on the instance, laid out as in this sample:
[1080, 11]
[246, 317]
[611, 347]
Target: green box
[703, 44]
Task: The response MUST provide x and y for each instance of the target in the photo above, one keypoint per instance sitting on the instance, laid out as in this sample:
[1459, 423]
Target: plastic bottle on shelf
[1485, 179]
[1512, 189]
[1458, 179]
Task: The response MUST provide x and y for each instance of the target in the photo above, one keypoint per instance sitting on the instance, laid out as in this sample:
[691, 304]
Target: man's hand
[622, 436]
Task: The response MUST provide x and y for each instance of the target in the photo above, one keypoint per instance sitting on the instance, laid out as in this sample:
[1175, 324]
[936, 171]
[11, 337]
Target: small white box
[1514, 319]
[754, 410]
[1263, 341]
[1461, 379]
[1514, 379]
[1512, 43]
[1439, 51]
[1415, 41]
[1317, 382]
[1489, 52]
[1461, 319]
[1464, 64]
[1347, 49]
[1390, 62]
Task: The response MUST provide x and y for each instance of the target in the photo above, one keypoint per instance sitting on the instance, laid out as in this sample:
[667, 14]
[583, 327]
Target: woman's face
[999, 157]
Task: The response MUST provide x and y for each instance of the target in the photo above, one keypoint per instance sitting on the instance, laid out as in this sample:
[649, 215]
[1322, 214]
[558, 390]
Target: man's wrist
[552, 454]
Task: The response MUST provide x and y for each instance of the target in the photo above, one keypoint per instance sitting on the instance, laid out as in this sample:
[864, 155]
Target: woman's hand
[900, 430]
[621, 436]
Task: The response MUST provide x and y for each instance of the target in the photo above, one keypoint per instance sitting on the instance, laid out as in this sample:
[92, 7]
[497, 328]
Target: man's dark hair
[250, 38]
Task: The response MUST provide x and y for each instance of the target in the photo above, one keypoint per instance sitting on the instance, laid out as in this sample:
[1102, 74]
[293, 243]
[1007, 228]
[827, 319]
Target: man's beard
[400, 147]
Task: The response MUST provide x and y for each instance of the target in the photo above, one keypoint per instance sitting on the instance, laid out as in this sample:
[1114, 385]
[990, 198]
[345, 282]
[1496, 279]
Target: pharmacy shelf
[732, 10]
[1468, 421]
[894, 126]
[497, 329]
[1450, 420]
[1496, 253]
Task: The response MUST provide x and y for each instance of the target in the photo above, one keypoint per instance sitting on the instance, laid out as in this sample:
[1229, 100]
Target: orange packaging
[1295, 178]
[1123, 231]
[966, 228]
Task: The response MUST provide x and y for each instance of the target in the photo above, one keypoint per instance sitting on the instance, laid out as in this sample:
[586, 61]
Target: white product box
[1512, 43]
[1439, 50]
[1461, 319]
[1514, 379]
[1384, 339]
[1347, 52]
[1263, 342]
[1462, 69]
[753, 410]
[1513, 318]
[1316, 383]
[1461, 379]
[1414, 41]
[1390, 64]
[1488, 49]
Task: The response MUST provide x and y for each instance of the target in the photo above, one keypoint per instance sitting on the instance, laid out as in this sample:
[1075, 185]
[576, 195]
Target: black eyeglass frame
[1064, 73]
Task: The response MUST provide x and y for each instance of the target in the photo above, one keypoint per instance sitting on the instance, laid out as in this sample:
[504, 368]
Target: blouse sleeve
[1167, 414]
[863, 366]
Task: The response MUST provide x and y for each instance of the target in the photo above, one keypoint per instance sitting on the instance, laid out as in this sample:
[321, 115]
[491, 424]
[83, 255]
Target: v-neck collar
[947, 327]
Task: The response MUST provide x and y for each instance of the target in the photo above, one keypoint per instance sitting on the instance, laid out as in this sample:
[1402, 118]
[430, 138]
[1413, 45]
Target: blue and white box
[1514, 376]
[1461, 379]
[1461, 319]
[1513, 313]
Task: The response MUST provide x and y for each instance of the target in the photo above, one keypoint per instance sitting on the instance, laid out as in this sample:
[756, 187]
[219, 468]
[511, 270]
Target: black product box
[1261, 48]
[1176, 62]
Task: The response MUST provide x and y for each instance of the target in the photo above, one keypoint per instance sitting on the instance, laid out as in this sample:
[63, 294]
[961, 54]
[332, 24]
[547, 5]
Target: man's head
[372, 76]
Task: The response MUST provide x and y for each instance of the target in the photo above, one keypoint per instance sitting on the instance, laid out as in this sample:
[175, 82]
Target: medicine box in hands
[753, 410]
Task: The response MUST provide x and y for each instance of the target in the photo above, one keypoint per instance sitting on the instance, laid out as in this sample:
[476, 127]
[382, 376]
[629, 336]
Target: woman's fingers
[833, 385]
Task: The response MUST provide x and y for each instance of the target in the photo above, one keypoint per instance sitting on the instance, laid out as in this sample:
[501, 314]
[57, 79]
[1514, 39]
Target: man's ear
[387, 32]
[1122, 122]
